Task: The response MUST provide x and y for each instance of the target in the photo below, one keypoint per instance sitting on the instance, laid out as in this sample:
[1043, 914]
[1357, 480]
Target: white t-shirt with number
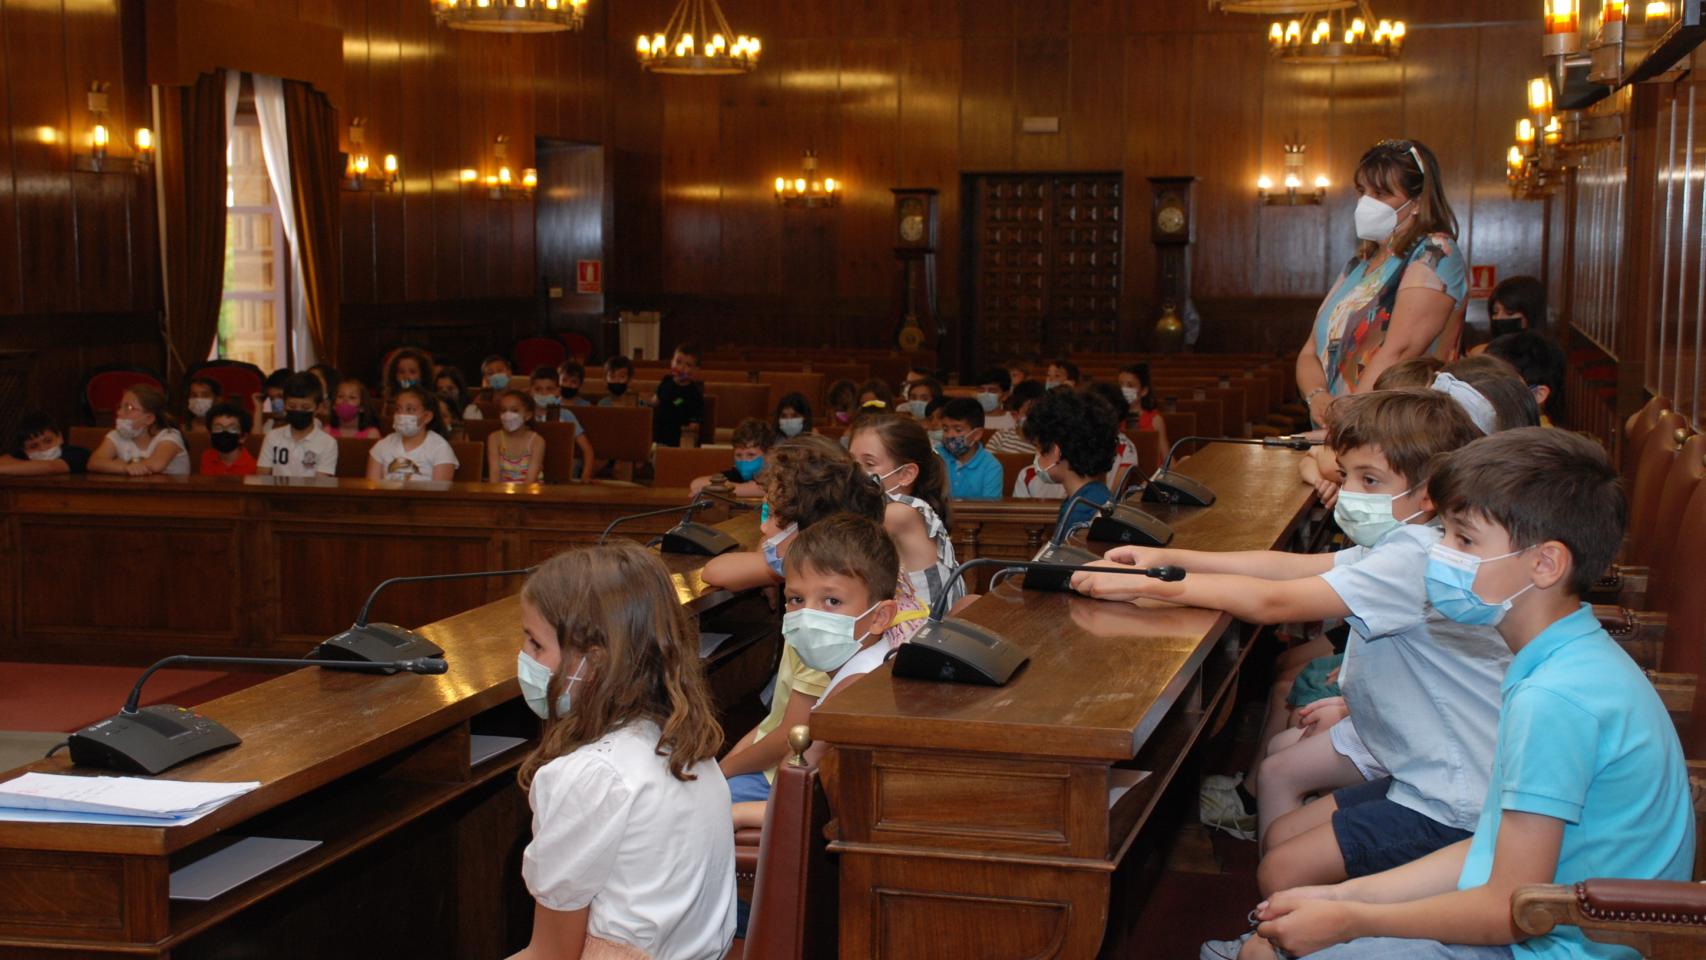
[416, 464]
[313, 455]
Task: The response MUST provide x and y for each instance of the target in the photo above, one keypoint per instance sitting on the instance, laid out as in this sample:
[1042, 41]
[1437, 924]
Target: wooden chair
[470, 460]
[560, 450]
[353, 455]
[103, 387]
[1649, 585]
[1635, 430]
[1149, 452]
[679, 466]
[1012, 463]
[238, 381]
[1652, 466]
[794, 889]
[782, 383]
[736, 402]
[623, 434]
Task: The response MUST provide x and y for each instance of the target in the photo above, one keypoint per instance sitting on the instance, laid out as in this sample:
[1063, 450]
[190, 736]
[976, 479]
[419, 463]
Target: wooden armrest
[1624, 584]
[1676, 690]
[1639, 632]
[1659, 918]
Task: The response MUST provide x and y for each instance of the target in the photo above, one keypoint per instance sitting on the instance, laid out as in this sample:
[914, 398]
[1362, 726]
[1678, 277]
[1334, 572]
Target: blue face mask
[535, 682]
[956, 446]
[772, 555]
[747, 469]
[499, 381]
[764, 513]
[407, 382]
[988, 401]
[1451, 587]
[547, 399]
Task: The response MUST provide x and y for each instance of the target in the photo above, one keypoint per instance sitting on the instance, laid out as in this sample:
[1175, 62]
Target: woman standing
[1403, 294]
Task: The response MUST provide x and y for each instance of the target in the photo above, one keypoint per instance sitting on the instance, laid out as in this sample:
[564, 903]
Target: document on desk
[130, 797]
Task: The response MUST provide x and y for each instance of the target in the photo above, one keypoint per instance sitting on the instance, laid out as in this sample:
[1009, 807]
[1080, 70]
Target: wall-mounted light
[1294, 194]
[1605, 53]
[502, 184]
[99, 159]
[808, 189]
[359, 166]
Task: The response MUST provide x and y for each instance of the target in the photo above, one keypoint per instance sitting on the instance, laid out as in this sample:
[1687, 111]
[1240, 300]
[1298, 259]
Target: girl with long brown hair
[632, 855]
[899, 457]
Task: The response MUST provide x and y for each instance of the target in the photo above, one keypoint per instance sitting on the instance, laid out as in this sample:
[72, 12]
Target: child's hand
[698, 484]
[1333, 676]
[1136, 556]
[138, 469]
[1301, 925]
[1112, 586]
[1321, 715]
[1328, 492]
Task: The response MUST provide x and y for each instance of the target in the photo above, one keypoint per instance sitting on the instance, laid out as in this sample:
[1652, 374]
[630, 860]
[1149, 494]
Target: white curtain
[269, 107]
[233, 86]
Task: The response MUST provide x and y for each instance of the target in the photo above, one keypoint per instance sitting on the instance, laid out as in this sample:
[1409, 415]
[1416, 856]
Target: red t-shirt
[212, 466]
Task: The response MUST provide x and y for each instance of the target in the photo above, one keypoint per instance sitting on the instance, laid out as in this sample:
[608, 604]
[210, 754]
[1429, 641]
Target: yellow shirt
[791, 676]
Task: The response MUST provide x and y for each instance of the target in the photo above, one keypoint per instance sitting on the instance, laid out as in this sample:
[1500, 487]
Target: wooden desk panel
[977, 819]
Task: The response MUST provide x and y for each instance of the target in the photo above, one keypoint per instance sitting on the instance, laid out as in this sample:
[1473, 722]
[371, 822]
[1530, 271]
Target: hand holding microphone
[1111, 587]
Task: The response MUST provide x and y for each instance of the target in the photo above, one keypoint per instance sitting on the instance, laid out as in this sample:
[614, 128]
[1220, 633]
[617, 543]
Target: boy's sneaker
[1223, 949]
[1221, 808]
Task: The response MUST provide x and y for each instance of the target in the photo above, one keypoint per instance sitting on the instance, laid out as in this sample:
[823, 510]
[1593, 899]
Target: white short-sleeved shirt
[129, 451]
[416, 464]
[1032, 483]
[1125, 457]
[313, 455]
[1423, 690]
[652, 856]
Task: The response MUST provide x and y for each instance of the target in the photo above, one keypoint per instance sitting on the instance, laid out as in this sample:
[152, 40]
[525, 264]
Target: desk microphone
[160, 737]
[1169, 487]
[954, 651]
[686, 536]
[387, 642]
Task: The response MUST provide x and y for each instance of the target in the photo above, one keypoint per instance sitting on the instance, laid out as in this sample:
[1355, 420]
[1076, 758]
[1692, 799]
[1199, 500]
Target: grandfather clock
[915, 253]
[1172, 228]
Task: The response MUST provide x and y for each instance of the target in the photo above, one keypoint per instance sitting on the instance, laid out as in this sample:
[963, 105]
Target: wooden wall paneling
[417, 116]
[749, 257]
[987, 18]
[1097, 108]
[94, 52]
[933, 19]
[1291, 241]
[519, 71]
[1099, 18]
[988, 123]
[1041, 72]
[451, 152]
[1504, 231]
[478, 128]
[870, 111]
[360, 242]
[692, 187]
[928, 141]
[1160, 144]
[1226, 68]
[1364, 111]
[385, 135]
[873, 18]
[41, 154]
[10, 280]
[141, 212]
[1040, 20]
[1433, 100]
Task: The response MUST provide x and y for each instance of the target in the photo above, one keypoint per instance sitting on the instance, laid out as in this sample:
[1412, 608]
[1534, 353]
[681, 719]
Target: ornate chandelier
[698, 41]
[1345, 34]
[511, 16]
[1278, 6]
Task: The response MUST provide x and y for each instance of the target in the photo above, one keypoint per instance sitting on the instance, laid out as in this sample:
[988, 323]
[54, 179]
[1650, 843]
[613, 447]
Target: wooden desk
[420, 854]
[977, 820]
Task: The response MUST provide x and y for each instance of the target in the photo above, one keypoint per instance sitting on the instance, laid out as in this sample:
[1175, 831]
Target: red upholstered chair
[578, 345]
[239, 381]
[794, 890]
[531, 353]
[103, 386]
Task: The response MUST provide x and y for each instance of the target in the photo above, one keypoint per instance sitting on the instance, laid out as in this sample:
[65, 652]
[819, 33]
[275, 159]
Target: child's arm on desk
[1262, 564]
[741, 570]
[1250, 599]
[772, 748]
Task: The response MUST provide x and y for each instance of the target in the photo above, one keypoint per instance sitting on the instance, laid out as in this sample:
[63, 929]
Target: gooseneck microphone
[1169, 487]
[686, 512]
[153, 739]
[954, 651]
[387, 642]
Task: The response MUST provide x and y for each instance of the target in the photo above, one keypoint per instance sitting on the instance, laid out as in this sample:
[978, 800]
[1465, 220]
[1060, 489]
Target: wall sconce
[356, 169]
[98, 159]
[1605, 54]
[503, 185]
[1292, 197]
[807, 190]
[1670, 30]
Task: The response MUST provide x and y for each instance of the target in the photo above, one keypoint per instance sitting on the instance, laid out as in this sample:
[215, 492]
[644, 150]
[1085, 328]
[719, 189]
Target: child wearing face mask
[1588, 777]
[516, 453]
[571, 376]
[1140, 400]
[204, 392]
[1421, 692]
[1075, 436]
[226, 456]
[973, 473]
[41, 450]
[452, 390]
[495, 376]
[679, 401]
[845, 611]
[547, 392]
[352, 412]
[407, 368]
[144, 439]
[299, 448]
[897, 454]
[618, 378]
[752, 439]
[793, 416]
[631, 854]
[993, 386]
[415, 449]
[920, 394]
[269, 403]
[1012, 439]
[843, 399]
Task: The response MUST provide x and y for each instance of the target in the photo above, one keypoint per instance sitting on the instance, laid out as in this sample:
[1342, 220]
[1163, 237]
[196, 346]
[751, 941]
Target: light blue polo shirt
[1584, 738]
[977, 479]
[1423, 690]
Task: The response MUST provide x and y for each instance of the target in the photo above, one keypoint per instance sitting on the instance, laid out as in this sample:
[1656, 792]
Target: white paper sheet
[123, 796]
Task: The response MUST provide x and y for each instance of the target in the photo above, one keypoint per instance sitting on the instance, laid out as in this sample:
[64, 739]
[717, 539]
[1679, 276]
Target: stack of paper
[46, 796]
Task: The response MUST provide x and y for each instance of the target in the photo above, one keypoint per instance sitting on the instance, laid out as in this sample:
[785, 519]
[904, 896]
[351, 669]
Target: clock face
[912, 227]
[1170, 219]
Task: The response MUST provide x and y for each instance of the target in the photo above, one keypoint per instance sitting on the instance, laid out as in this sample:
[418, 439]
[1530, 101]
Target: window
[253, 317]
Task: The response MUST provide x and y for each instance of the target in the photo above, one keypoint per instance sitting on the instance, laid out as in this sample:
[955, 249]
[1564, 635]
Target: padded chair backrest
[736, 402]
[470, 460]
[617, 433]
[783, 382]
[578, 345]
[1635, 431]
[560, 450]
[1658, 453]
[534, 352]
[88, 438]
[795, 891]
[1684, 650]
[679, 466]
[104, 386]
[239, 381]
[353, 456]
[1011, 464]
[1684, 478]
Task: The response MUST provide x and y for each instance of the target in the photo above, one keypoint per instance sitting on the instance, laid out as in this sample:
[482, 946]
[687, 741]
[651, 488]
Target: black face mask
[299, 419]
[569, 392]
[1503, 325]
[616, 389]
[226, 442]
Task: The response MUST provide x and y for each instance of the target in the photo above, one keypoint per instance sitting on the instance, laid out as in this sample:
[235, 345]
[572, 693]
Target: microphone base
[376, 643]
[953, 651]
[1054, 579]
[1130, 525]
[149, 741]
[699, 539]
[1176, 488]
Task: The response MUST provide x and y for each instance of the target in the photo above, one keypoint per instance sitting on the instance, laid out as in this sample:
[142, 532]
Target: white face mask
[791, 426]
[823, 640]
[1375, 221]
[407, 424]
[535, 682]
[1037, 461]
[129, 429]
[1366, 517]
[511, 420]
[879, 479]
[988, 401]
[51, 453]
[1130, 394]
[200, 405]
[915, 407]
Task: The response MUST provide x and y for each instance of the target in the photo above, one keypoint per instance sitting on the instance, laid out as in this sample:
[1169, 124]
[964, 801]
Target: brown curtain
[192, 184]
[311, 124]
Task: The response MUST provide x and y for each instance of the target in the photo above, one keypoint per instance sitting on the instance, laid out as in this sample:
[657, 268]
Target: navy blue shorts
[1376, 834]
